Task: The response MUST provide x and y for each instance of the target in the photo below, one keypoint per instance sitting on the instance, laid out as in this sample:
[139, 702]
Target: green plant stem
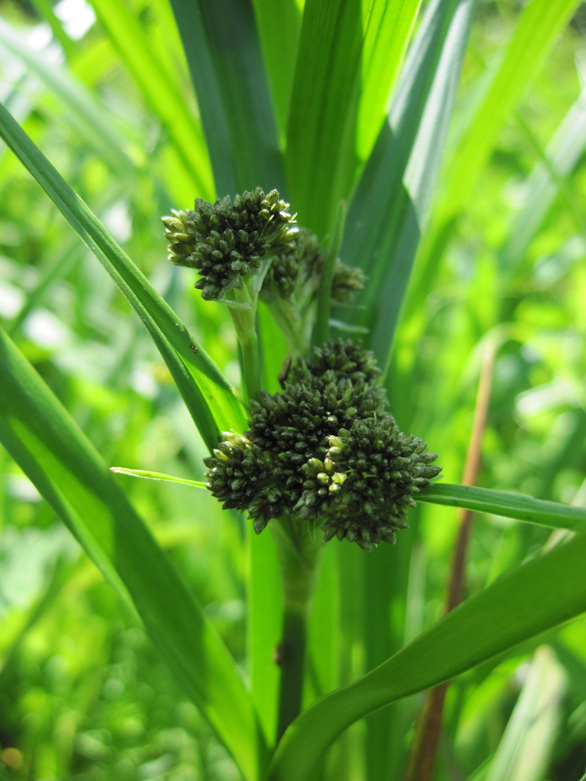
[243, 313]
[324, 299]
[250, 365]
[299, 559]
[291, 658]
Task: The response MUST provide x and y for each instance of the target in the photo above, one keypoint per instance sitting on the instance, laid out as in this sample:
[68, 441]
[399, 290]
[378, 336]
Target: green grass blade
[225, 61]
[540, 24]
[95, 123]
[321, 152]
[279, 25]
[508, 505]
[387, 28]
[349, 55]
[68, 472]
[389, 207]
[45, 9]
[207, 394]
[324, 300]
[122, 470]
[563, 153]
[538, 28]
[164, 97]
[56, 270]
[527, 743]
[265, 618]
[522, 603]
[264, 597]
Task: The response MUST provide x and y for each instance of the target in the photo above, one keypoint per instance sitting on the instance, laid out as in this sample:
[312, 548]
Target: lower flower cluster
[326, 450]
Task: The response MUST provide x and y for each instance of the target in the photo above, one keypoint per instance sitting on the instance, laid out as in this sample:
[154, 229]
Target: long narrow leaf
[321, 135]
[348, 57]
[389, 208]
[68, 472]
[564, 152]
[94, 121]
[207, 394]
[508, 505]
[160, 92]
[279, 25]
[225, 61]
[539, 26]
[387, 28]
[522, 603]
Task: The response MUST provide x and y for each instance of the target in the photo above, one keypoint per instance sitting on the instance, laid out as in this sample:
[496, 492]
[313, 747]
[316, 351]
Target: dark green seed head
[227, 241]
[326, 450]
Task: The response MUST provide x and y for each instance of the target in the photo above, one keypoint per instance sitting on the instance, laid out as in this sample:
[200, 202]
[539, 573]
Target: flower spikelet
[242, 476]
[383, 470]
[228, 241]
[297, 273]
[294, 426]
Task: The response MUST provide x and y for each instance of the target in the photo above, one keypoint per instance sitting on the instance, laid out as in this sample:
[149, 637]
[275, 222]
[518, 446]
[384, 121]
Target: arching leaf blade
[209, 397]
[527, 600]
[506, 504]
[63, 465]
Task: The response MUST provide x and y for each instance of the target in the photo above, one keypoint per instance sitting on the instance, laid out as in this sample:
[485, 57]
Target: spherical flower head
[383, 471]
[227, 242]
[325, 450]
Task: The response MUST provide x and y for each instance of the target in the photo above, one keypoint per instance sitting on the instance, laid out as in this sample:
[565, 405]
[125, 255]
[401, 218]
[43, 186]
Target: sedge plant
[311, 202]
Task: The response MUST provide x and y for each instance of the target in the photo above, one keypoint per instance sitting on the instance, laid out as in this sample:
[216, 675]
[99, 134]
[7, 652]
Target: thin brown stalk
[421, 762]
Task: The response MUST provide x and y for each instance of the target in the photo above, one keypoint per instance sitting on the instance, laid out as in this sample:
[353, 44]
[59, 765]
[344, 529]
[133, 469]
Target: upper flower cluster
[226, 242]
[326, 450]
[297, 274]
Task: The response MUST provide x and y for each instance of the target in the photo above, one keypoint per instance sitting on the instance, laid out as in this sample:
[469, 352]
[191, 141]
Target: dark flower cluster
[325, 450]
[297, 273]
[227, 241]
[379, 470]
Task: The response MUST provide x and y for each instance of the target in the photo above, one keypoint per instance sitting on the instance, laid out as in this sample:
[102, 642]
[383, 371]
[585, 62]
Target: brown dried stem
[423, 753]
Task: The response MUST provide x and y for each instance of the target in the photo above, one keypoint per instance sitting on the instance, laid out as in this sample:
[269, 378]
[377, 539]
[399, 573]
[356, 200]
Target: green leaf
[159, 91]
[225, 61]
[91, 119]
[387, 28]
[389, 208]
[324, 300]
[525, 601]
[544, 184]
[525, 748]
[540, 23]
[121, 470]
[265, 619]
[207, 394]
[508, 505]
[56, 269]
[279, 25]
[55, 455]
[321, 155]
[264, 597]
[45, 9]
[349, 54]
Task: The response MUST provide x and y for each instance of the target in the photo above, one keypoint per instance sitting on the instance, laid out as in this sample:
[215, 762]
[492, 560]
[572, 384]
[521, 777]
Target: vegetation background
[82, 693]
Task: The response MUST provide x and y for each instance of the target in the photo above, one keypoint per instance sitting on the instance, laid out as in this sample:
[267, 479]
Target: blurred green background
[82, 694]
